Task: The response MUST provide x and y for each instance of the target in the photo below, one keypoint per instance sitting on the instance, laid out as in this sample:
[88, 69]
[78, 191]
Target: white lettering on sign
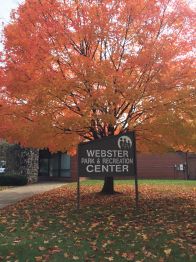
[87, 160]
[125, 168]
[89, 168]
[117, 161]
[107, 168]
[107, 153]
[115, 156]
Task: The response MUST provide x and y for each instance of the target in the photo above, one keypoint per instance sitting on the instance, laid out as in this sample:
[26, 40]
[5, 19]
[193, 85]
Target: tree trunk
[108, 187]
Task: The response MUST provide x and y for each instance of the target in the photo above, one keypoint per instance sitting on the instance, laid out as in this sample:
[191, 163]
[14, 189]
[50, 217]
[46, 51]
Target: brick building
[42, 165]
[177, 165]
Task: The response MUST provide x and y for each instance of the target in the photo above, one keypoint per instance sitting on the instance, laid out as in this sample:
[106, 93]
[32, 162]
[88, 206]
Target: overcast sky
[5, 8]
[7, 5]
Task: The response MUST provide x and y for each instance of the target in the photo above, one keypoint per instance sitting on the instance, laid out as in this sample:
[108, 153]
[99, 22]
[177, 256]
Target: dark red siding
[160, 166]
[156, 166]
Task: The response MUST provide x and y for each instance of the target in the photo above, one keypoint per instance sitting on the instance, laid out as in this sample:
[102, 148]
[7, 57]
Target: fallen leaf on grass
[54, 250]
[94, 225]
[66, 255]
[167, 251]
[104, 245]
[128, 255]
[109, 258]
[38, 259]
[17, 241]
[41, 248]
[12, 229]
[76, 258]
[145, 237]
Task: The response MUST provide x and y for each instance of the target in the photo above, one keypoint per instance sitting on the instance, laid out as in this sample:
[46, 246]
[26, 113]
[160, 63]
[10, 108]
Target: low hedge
[13, 180]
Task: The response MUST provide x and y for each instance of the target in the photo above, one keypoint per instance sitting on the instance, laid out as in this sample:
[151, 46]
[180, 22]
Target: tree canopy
[75, 70]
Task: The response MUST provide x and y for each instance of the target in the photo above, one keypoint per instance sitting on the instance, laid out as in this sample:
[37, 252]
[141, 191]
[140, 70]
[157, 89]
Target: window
[43, 166]
[65, 165]
[54, 165]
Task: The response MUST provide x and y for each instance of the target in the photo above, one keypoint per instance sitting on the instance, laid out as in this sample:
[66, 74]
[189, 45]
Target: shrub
[13, 180]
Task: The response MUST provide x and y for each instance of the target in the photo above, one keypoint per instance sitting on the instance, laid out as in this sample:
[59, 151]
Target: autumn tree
[78, 70]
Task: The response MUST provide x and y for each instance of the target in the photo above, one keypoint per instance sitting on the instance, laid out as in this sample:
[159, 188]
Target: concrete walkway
[15, 194]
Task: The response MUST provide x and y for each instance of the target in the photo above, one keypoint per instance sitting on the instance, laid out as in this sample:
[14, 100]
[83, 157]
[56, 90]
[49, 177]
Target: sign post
[136, 178]
[115, 155]
[78, 183]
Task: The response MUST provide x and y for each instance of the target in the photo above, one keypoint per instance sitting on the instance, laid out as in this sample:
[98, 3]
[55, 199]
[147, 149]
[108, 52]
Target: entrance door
[54, 165]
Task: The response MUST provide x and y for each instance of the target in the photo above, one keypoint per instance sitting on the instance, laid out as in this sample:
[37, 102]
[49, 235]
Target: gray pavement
[15, 194]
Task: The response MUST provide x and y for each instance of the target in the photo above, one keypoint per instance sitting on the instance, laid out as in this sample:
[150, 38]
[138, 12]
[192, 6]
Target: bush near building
[13, 180]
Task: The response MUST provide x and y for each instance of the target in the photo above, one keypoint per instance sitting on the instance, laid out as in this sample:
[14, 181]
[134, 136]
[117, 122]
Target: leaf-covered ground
[48, 227]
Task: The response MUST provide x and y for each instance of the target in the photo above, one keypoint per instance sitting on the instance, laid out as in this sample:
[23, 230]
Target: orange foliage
[76, 70]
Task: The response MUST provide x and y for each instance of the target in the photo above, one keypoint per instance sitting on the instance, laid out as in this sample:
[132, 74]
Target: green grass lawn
[48, 227]
[144, 182]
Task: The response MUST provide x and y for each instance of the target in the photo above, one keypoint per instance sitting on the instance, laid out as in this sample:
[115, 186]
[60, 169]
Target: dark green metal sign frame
[112, 155]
